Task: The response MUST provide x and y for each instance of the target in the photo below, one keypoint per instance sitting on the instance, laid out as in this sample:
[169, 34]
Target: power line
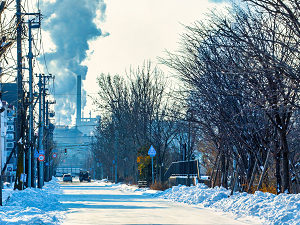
[79, 94]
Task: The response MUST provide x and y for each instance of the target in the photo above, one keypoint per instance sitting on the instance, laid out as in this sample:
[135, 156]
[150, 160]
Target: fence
[181, 169]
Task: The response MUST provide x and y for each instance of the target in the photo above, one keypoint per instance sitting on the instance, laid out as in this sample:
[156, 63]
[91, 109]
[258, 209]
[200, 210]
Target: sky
[109, 36]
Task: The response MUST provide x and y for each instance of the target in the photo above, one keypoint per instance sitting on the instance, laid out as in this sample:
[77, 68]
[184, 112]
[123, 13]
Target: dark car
[84, 175]
[58, 174]
[67, 178]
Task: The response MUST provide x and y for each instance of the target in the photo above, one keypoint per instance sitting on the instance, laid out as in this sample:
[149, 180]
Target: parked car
[58, 174]
[84, 175]
[67, 178]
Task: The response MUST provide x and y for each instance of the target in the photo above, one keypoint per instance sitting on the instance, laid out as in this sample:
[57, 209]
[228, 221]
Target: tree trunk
[223, 168]
[212, 171]
[264, 171]
[252, 176]
[226, 173]
[285, 163]
[20, 168]
[216, 173]
[235, 178]
[277, 173]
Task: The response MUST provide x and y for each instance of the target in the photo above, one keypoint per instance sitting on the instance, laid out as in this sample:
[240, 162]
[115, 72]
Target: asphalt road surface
[91, 203]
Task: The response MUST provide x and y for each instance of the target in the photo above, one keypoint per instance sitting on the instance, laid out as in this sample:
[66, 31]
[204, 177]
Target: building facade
[8, 138]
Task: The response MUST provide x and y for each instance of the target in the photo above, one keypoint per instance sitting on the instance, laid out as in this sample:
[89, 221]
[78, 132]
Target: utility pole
[116, 158]
[20, 105]
[31, 168]
[116, 150]
[41, 133]
[47, 145]
[189, 152]
[44, 122]
[48, 136]
[30, 57]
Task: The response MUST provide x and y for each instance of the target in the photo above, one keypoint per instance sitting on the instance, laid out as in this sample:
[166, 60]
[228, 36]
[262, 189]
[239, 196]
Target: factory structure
[74, 142]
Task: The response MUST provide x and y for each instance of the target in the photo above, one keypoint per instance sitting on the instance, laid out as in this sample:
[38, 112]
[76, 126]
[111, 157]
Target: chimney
[78, 113]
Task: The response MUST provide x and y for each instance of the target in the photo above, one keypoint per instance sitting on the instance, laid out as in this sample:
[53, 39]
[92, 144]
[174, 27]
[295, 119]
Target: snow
[265, 207]
[32, 205]
[42, 206]
[262, 168]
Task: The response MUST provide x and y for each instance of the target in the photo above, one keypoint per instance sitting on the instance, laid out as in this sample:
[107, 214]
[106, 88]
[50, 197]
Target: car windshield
[67, 175]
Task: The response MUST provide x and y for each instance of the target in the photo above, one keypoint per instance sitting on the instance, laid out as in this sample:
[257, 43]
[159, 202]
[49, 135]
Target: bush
[159, 186]
[129, 180]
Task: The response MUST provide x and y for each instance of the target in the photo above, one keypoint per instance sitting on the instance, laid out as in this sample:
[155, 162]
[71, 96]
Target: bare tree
[239, 69]
[137, 112]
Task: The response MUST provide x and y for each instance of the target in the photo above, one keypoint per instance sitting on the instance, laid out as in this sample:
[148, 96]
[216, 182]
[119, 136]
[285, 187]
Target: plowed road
[91, 203]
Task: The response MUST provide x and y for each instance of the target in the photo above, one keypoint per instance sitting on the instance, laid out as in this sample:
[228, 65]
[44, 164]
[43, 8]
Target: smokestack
[78, 113]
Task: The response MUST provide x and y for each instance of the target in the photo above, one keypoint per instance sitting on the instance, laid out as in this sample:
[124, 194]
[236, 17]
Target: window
[9, 144]
[10, 128]
[10, 119]
[10, 136]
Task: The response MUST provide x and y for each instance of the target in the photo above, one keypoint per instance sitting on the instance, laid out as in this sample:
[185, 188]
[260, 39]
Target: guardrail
[142, 184]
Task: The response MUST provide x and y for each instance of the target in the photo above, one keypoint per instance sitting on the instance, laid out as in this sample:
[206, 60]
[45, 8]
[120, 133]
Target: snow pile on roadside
[266, 207]
[32, 205]
[272, 209]
[275, 209]
[103, 182]
[134, 189]
[199, 194]
[131, 188]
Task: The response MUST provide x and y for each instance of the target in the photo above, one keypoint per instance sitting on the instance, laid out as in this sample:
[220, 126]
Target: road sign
[42, 152]
[54, 150]
[36, 154]
[54, 155]
[41, 158]
[151, 151]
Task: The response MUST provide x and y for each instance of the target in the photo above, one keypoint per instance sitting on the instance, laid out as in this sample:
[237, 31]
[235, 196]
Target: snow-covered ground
[32, 205]
[35, 206]
[269, 208]
[106, 203]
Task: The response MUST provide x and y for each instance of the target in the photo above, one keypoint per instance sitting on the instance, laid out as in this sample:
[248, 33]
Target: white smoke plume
[70, 24]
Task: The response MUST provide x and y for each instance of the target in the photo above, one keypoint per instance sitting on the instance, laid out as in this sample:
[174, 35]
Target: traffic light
[65, 151]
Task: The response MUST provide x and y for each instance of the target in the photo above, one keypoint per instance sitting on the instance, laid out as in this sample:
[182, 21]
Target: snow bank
[134, 189]
[275, 209]
[32, 205]
[264, 207]
[270, 208]
[195, 195]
